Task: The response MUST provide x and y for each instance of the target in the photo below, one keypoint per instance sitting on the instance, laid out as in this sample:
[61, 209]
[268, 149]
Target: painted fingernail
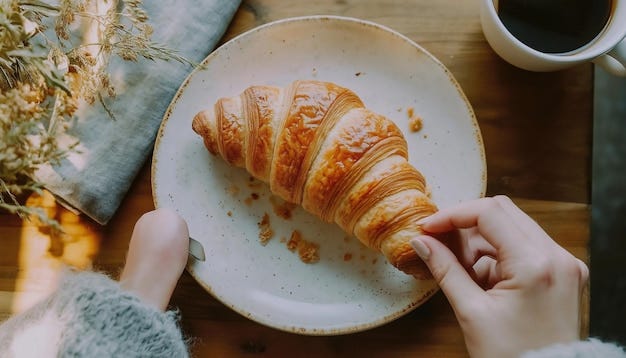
[420, 248]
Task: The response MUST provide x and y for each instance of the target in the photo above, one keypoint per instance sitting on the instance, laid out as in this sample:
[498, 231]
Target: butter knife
[196, 250]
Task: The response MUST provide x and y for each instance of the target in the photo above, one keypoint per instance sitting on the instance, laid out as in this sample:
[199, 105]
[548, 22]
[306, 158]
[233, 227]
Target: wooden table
[537, 133]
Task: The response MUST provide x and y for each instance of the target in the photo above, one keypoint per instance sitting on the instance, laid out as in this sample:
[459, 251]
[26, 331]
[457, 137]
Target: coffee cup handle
[614, 61]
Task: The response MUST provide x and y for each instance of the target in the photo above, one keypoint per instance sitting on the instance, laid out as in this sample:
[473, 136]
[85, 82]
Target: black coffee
[554, 26]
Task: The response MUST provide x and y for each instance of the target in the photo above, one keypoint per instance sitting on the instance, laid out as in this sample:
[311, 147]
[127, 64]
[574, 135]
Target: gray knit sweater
[591, 348]
[90, 316]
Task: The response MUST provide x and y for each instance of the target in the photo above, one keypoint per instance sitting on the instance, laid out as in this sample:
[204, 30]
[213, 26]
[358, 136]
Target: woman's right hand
[512, 288]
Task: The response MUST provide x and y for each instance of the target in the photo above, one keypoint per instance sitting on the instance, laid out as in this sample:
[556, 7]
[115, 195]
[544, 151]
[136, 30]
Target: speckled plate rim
[218, 52]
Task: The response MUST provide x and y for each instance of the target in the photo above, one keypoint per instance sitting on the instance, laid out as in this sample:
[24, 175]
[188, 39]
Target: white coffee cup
[608, 49]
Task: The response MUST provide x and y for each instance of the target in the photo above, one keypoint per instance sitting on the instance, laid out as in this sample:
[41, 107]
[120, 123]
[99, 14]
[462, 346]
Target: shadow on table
[608, 227]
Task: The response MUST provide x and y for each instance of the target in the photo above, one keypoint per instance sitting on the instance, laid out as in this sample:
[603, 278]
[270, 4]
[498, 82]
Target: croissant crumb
[307, 251]
[415, 121]
[265, 231]
[415, 124]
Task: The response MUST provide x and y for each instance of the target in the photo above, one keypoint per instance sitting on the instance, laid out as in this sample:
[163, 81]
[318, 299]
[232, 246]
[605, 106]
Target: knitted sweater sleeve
[590, 348]
[89, 315]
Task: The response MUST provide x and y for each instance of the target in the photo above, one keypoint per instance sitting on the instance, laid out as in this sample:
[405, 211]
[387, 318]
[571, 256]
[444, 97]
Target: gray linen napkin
[113, 151]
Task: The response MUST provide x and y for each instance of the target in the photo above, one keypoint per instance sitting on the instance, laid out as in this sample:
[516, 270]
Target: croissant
[317, 145]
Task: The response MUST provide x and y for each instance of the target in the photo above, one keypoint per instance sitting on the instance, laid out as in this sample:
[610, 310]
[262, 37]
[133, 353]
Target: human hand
[157, 255]
[511, 286]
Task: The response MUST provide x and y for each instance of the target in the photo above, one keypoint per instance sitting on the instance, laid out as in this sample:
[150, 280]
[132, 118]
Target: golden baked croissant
[317, 145]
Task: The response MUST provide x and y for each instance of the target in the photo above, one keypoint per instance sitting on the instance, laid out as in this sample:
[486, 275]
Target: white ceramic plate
[351, 288]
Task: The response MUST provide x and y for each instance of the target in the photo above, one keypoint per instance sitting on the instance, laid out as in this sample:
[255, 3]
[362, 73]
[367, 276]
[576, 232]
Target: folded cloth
[112, 151]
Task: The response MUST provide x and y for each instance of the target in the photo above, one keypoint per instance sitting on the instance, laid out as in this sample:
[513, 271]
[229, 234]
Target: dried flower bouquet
[53, 55]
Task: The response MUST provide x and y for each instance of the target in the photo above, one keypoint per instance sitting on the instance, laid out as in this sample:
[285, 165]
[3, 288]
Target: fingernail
[420, 248]
[422, 221]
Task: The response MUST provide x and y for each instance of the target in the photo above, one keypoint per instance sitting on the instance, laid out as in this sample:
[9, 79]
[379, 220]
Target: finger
[159, 239]
[487, 272]
[468, 246]
[532, 230]
[487, 214]
[454, 280]
[461, 216]
[477, 247]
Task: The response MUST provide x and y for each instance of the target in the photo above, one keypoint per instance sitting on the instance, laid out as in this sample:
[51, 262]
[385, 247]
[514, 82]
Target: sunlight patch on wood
[44, 254]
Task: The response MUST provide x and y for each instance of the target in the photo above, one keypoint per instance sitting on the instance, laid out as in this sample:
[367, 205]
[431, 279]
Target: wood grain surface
[537, 134]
